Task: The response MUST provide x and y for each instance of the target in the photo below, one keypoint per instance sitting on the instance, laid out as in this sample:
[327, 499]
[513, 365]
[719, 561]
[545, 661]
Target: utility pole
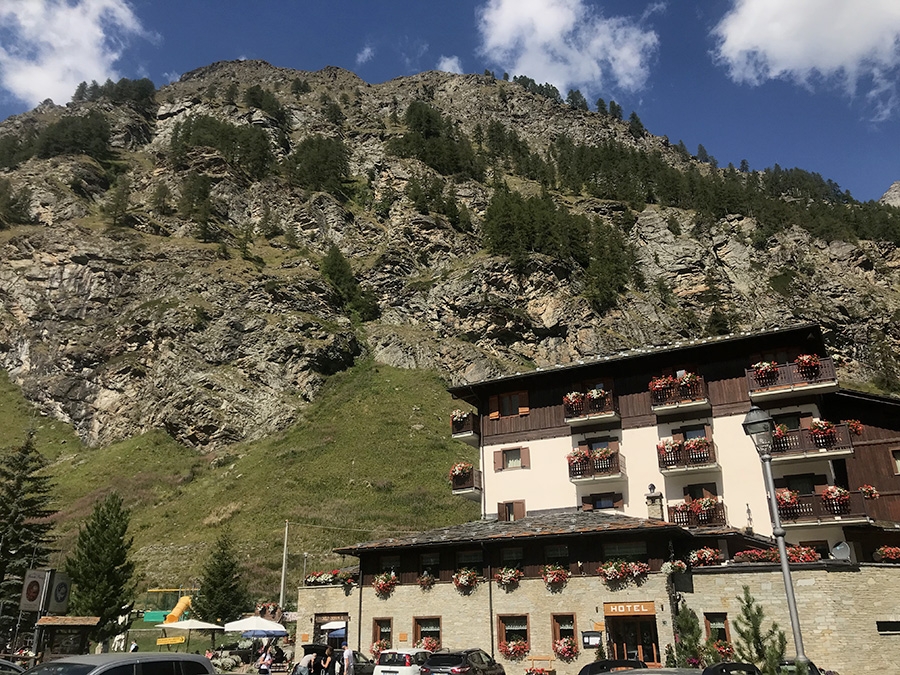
[283, 567]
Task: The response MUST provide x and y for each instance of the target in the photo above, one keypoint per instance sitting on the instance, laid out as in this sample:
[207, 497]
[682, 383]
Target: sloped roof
[68, 621]
[549, 524]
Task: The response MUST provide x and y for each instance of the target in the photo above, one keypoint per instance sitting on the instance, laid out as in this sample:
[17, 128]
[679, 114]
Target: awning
[339, 633]
[333, 625]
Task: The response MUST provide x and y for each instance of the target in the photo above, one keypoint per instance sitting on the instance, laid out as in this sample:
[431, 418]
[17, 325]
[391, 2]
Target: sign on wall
[647, 608]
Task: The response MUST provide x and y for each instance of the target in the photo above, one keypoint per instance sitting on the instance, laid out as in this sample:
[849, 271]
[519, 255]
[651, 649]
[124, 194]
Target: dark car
[461, 662]
[9, 668]
[130, 663]
[610, 665]
[788, 667]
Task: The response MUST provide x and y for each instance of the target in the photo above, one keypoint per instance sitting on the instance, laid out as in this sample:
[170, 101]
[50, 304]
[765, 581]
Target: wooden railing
[679, 393]
[590, 406]
[471, 481]
[689, 518]
[596, 468]
[802, 442]
[814, 508]
[681, 457]
[791, 375]
[467, 425]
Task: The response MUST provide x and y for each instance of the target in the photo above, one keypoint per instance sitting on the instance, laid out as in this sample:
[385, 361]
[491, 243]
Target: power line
[350, 529]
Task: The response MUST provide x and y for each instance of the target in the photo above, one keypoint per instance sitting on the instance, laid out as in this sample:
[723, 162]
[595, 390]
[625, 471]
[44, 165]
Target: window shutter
[820, 480]
[805, 420]
[587, 503]
[613, 445]
[525, 456]
[502, 512]
[494, 407]
[677, 435]
[498, 460]
[780, 483]
[707, 429]
[618, 500]
[687, 493]
[523, 403]
[519, 509]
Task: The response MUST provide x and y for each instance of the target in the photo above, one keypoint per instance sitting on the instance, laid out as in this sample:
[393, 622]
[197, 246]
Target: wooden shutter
[707, 429]
[805, 420]
[613, 445]
[677, 435]
[494, 407]
[498, 460]
[587, 503]
[518, 509]
[525, 457]
[618, 500]
[820, 481]
[523, 403]
[687, 494]
[780, 483]
[502, 511]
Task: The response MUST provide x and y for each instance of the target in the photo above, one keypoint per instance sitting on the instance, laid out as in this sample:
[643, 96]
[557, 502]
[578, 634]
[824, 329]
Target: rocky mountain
[221, 327]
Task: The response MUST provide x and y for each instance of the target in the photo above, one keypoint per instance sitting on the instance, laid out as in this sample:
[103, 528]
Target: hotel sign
[629, 608]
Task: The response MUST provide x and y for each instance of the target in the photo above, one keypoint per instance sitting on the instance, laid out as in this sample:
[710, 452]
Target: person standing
[328, 662]
[348, 660]
[265, 662]
[306, 662]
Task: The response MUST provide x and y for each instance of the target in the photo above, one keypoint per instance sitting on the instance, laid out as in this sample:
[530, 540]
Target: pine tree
[223, 594]
[102, 575]
[635, 126]
[688, 645]
[24, 522]
[615, 110]
[765, 648]
[117, 206]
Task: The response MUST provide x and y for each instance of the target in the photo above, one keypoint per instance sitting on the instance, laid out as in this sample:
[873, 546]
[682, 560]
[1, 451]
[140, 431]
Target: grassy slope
[369, 458]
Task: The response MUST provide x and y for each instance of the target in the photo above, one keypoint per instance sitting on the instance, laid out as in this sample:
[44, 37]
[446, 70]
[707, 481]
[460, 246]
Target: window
[820, 546]
[512, 557]
[426, 626]
[509, 511]
[382, 629]
[700, 490]
[158, 668]
[604, 500]
[563, 626]
[805, 484]
[191, 668]
[717, 626]
[598, 444]
[389, 563]
[513, 628]
[627, 550]
[512, 458]
[789, 420]
[888, 626]
[557, 553]
[896, 456]
[430, 562]
[694, 432]
[468, 558]
[508, 405]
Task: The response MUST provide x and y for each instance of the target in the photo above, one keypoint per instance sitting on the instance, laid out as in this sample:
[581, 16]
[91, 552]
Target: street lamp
[760, 426]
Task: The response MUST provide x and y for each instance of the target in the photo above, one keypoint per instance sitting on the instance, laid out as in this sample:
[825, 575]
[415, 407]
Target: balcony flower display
[459, 416]
[795, 554]
[682, 507]
[673, 567]
[321, 578]
[554, 573]
[835, 494]
[384, 583]
[724, 650]
[688, 379]
[578, 455]
[514, 650]
[662, 383]
[573, 399]
[347, 578]
[822, 431]
[426, 580]
[537, 671]
[807, 364]
[780, 432]
[887, 554]
[765, 370]
[619, 571]
[787, 498]
[703, 505]
[602, 453]
[667, 445]
[596, 394]
[429, 643]
[465, 579]
[460, 470]
[566, 649]
[379, 646]
[869, 491]
[508, 577]
[704, 557]
[697, 445]
[855, 427]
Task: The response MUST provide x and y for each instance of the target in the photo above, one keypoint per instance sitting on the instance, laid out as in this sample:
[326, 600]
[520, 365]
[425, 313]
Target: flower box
[705, 557]
[465, 579]
[566, 649]
[426, 580]
[554, 574]
[765, 370]
[787, 498]
[460, 471]
[869, 492]
[621, 572]
[673, 567]
[508, 577]
[514, 650]
[578, 455]
[428, 643]
[379, 646]
[808, 364]
[855, 427]
[384, 583]
[889, 554]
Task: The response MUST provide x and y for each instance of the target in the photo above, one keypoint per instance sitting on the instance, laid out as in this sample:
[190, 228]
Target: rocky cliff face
[122, 329]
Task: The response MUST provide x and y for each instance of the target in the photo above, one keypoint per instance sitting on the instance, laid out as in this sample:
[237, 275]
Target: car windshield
[62, 669]
[392, 659]
[445, 659]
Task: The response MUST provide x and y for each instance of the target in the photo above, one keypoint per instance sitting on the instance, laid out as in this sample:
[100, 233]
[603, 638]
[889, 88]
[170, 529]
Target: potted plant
[668, 446]
[855, 427]
[705, 557]
[836, 498]
[869, 491]
[514, 650]
[555, 574]
[508, 577]
[703, 507]
[379, 646]
[384, 583]
[426, 580]
[889, 554]
[572, 402]
[613, 571]
[697, 448]
[428, 643]
[460, 471]
[578, 456]
[566, 649]
[787, 499]
[822, 432]
[688, 380]
[347, 579]
[781, 431]
[673, 567]
[465, 579]
[660, 386]
[765, 370]
[808, 364]
[458, 419]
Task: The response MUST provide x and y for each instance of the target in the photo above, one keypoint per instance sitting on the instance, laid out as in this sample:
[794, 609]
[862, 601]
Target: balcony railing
[691, 518]
[597, 469]
[678, 396]
[467, 429]
[469, 485]
[813, 509]
[800, 443]
[588, 409]
[790, 377]
[687, 455]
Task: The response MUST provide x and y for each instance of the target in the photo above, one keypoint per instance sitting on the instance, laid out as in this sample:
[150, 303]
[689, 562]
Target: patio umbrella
[333, 625]
[189, 625]
[256, 626]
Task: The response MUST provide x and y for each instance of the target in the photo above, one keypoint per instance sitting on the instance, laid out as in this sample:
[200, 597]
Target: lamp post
[760, 426]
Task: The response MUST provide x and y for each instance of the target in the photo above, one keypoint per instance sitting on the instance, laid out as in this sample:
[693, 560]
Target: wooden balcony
[588, 410]
[594, 470]
[813, 510]
[799, 444]
[688, 518]
[791, 378]
[467, 429]
[684, 458]
[469, 486]
[680, 398]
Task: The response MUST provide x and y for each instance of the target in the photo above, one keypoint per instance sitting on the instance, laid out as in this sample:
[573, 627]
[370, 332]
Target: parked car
[461, 662]
[610, 665]
[788, 667]
[401, 661]
[129, 663]
[363, 665]
[9, 668]
[717, 669]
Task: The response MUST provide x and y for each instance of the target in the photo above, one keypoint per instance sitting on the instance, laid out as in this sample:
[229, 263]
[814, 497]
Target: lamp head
[759, 426]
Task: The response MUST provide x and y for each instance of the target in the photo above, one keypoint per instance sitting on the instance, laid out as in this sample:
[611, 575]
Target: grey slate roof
[549, 524]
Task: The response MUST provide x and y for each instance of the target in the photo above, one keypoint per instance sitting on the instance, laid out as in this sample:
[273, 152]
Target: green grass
[369, 458]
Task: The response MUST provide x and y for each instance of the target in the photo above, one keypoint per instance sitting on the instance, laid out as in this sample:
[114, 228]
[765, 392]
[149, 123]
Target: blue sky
[808, 83]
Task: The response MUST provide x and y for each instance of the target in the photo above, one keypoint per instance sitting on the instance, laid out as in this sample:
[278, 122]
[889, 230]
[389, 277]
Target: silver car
[131, 663]
[401, 661]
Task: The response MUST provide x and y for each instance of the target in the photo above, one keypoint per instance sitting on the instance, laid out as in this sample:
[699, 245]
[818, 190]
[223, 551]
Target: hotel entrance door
[634, 638]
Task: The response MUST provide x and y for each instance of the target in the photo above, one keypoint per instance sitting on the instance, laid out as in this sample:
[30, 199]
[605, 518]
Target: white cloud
[50, 46]
[365, 55]
[833, 41]
[450, 64]
[567, 43]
